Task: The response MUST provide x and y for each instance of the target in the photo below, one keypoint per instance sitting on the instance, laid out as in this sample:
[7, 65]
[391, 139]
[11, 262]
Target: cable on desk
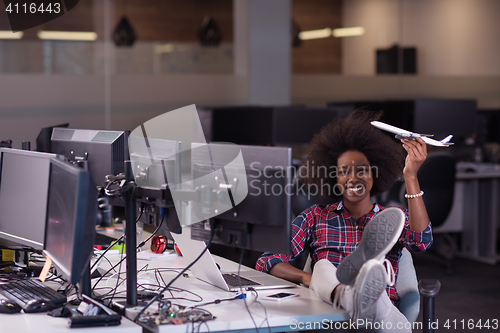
[116, 241]
[171, 290]
[124, 257]
[112, 292]
[118, 279]
[120, 282]
[244, 245]
[265, 315]
[156, 230]
[158, 277]
[109, 261]
[212, 233]
[218, 301]
[199, 326]
[179, 290]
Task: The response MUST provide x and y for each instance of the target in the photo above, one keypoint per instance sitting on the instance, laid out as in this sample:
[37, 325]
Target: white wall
[30, 102]
[319, 89]
[452, 37]
[458, 52]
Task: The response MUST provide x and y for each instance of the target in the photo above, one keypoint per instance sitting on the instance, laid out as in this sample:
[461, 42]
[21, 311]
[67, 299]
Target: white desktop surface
[295, 313]
[233, 315]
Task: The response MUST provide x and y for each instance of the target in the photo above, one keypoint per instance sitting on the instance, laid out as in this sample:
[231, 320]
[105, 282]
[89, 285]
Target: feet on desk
[379, 237]
[366, 300]
[360, 300]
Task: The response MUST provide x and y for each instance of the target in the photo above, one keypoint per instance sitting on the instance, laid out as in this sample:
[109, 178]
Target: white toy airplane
[401, 134]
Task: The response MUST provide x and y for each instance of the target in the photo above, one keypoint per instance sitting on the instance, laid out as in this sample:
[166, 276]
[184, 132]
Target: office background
[98, 85]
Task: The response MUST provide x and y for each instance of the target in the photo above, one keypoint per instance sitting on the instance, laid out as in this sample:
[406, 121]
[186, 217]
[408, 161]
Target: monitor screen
[445, 116]
[265, 213]
[105, 150]
[298, 125]
[24, 181]
[71, 216]
[243, 125]
[397, 113]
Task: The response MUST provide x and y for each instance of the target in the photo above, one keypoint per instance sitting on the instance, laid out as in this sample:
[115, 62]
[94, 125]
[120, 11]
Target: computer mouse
[38, 306]
[9, 307]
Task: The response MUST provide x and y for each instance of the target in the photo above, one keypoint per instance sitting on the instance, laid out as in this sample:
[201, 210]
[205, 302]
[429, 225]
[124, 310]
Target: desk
[232, 315]
[297, 313]
[476, 214]
[481, 215]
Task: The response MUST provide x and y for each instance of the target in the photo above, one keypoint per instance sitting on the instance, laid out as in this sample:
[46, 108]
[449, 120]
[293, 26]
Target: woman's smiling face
[354, 176]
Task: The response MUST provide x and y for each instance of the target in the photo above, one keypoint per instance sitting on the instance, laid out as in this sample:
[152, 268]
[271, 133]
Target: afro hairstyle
[354, 133]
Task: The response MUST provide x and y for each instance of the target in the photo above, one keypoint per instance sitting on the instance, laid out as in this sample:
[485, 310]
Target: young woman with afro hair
[354, 244]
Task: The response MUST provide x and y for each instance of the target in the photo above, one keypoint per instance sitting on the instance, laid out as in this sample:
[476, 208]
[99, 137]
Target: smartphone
[280, 296]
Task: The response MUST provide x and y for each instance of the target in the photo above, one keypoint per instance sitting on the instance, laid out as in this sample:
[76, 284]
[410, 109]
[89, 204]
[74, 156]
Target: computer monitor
[105, 150]
[43, 138]
[264, 214]
[445, 116]
[242, 125]
[155, 163]
[71, 216]
[398, 113]
[296, 125]
[24, 183]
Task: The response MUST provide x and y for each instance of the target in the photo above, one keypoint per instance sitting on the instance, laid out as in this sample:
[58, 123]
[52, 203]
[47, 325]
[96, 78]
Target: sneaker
[388, 313]
[360, 300]
[379, 237]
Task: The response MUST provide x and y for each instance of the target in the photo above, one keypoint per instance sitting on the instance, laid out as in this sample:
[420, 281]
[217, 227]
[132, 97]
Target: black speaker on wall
[388, 60]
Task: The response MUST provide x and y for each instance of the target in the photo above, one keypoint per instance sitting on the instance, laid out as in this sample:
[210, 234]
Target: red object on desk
[158, 244]
[176, 248]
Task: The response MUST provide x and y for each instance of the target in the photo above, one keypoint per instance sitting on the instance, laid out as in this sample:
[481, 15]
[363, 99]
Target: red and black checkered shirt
[330, 232]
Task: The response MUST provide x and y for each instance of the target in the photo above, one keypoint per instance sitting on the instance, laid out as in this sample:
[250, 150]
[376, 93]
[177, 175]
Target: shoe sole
[379, 237]
[370, 284]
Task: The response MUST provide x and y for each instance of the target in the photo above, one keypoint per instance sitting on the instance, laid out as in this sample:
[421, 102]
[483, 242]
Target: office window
[166, 41]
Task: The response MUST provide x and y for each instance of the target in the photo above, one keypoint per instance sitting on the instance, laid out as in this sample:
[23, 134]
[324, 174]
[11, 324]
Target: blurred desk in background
[476, 211]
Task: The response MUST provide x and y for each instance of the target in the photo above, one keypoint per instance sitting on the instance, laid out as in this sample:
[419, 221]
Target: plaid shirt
[329, 232]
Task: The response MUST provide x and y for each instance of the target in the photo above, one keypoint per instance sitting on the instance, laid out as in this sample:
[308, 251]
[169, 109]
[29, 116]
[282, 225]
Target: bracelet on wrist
[412, 196]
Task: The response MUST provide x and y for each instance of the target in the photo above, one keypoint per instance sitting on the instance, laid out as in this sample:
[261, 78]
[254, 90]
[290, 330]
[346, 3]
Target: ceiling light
[67, 35]
[315, 34]
[7, 34]
[165, 48]
[348, 32]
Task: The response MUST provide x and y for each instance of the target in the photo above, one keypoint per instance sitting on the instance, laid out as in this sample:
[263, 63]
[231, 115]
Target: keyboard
[23, 291]
[236, 281]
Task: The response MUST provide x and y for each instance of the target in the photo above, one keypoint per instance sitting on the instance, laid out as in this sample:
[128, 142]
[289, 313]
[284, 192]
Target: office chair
[437, 179]
[409, 289]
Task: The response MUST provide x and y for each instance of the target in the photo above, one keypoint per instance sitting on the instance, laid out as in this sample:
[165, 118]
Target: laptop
[206, 269]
